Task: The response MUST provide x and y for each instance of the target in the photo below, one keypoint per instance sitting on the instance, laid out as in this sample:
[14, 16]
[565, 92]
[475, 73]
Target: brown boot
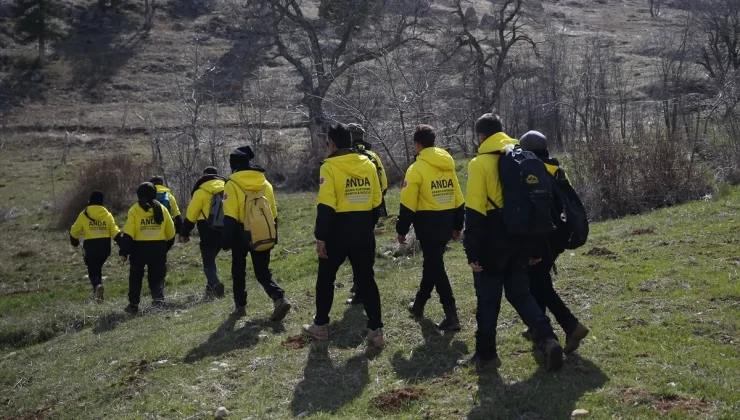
[451, 322]
[239, 312]
[281, 308]
[553, 355]
[573, 340]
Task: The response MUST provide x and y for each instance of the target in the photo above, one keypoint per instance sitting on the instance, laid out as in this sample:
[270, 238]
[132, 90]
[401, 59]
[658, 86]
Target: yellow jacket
[98, 223]
[173, 202]
[349, 199]
[200, 205]
[431, 197]
[141, 226]
[383, 176]
[483, 179]
[234, 197]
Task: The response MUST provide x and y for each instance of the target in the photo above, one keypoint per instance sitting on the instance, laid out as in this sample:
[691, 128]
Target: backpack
[259, 222]
[375, 162]
[215, 219]
[571, 221]
[164, 199]
[528, 196]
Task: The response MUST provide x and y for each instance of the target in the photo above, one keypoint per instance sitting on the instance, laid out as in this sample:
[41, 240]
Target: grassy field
[660, 292]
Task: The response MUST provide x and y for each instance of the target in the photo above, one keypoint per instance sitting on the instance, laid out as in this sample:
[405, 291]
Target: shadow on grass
[544, 395]
[349, 332]
[226, 339]
[435, 357]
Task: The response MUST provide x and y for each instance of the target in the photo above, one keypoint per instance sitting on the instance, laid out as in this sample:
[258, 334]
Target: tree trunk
[316, 126]
[42, 33]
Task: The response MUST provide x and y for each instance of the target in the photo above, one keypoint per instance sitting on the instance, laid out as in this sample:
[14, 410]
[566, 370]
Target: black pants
[153, 257]
[362, 258]
[544, 293]
[434, 274]
[261, 264]
[95, 269]
[488, 289]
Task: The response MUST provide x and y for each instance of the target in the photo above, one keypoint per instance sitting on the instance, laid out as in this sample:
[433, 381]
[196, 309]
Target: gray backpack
[215, 217]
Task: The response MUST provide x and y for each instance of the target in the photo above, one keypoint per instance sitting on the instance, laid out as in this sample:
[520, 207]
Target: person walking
[246, 185]
[207, 194]
[97, 227]
[348, 208]
[431, 200]
[540, 280]
[147, 237]
[167, 199]
[498, 262]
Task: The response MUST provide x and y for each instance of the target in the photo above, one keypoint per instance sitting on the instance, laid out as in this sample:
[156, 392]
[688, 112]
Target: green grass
[663, 313]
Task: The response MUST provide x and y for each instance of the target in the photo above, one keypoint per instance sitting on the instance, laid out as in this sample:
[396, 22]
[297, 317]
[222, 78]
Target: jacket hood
[249, 179]
[551, 164]
[497, 143]
[211, 183]
[139, 212]
[349, 162]
[162, 188]
[438, 158]
[96, 212]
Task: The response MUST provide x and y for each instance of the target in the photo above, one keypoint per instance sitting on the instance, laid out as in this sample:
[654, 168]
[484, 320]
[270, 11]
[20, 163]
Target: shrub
[116, 177]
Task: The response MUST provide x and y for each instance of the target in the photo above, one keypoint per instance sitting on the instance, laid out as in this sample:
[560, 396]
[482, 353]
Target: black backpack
[375, 162]
[528, 196]
[571, 218]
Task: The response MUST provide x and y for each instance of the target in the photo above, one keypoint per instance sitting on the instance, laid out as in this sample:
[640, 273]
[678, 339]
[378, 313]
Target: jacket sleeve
[231, 216]
[383, 175]
[270, 195]
[326, 204]
[76, 231]
[475, 214]
[174, 206]
[195, 207]
[459, 205]
[126, 240]
[113, 229]
[409, 200]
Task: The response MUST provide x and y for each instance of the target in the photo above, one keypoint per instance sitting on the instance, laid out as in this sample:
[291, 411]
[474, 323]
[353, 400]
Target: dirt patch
[601, 252]
[44, 412]
[642, 231]
[665, 403]
[296, 342]
[628, 322]
[394, 400]
[25, 254]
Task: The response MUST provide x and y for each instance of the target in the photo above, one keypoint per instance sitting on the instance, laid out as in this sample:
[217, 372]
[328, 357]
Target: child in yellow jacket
[97, 227]
[148, 235]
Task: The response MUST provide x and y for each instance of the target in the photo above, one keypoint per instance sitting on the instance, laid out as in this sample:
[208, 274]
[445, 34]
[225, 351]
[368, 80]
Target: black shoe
[158, 303]
[416, 308]
[451, 322]
[527, 335]
[553, 355]
[479, 364]
[132, 310]
[218, 290]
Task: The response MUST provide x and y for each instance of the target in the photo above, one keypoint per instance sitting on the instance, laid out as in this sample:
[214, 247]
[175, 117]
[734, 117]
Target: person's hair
[157, 180]
[488, 125]
[147, 194]
[211, 170]
[341, 137]
[424, 135]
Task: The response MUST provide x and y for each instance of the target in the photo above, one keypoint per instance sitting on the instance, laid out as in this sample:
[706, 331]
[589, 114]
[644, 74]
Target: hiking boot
[210, 293]
[132, 310]
[356, 300]
[451, 322]
[100, 293]
[281, 308]
[416, 308]
[239, 312]
[553, 355]
[158, 304]
[478, 363]
[527, 335]
[573, 340]
[375, 338]
[218, 290]
[317, 332]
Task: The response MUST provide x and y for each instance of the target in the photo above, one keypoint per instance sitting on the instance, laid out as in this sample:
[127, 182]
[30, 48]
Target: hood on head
[349, 162]
[497, 143]
[438, 158]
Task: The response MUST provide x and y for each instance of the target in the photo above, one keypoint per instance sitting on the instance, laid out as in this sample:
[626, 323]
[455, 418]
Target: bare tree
[344, 33]
[654, 8]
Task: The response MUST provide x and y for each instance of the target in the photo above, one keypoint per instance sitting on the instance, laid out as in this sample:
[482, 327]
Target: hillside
[660, 293]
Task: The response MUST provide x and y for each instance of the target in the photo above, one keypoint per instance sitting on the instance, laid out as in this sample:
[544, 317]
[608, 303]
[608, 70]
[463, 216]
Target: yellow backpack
[259, 222]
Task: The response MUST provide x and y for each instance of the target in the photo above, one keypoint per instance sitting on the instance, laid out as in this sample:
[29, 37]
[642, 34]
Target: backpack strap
[493, 204]
[88, 216]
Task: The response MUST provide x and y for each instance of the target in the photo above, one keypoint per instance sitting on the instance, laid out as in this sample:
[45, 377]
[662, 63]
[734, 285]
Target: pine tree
[37, 21]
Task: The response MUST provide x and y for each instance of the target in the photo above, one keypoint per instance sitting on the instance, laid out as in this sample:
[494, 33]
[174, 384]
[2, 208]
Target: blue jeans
[512, 281]
[208, 254]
